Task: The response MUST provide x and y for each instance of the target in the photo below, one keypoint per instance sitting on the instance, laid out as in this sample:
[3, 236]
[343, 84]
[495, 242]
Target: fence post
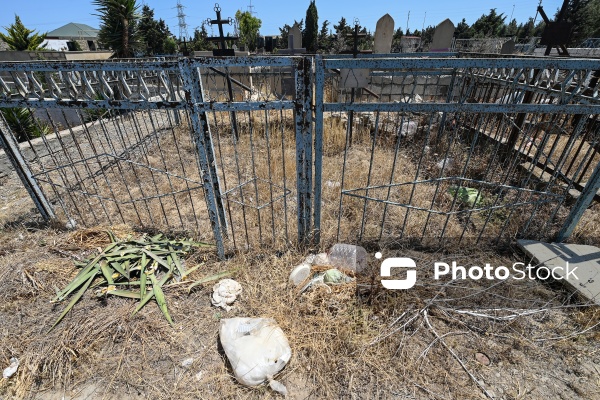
[192, 86]
[303, 123]
[12, 151]
[583, 202]
[319, 100]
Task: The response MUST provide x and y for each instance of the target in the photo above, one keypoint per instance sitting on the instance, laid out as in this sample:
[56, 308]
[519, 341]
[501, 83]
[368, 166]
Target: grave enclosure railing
[282, 150]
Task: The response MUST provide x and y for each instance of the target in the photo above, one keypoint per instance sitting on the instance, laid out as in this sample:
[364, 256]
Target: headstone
[269, 44]
[292, 49]
[508, 47]
[442, 37]
[297, 34]
[384, 33]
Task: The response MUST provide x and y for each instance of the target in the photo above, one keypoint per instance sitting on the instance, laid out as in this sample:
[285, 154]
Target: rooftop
[73, 31]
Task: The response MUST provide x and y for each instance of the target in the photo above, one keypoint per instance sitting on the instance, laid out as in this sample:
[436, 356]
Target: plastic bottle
[349, 257]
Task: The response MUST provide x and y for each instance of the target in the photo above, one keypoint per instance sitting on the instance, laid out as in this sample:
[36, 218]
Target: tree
[20, 38]
[463, 30]
[511, 29]
[583, 14]
[311, 30]
[324, 40]
[119, 27]
[396, 40]
[249, 27]
[156, 35]
[488, 25]
[199, 41]
[342, 29]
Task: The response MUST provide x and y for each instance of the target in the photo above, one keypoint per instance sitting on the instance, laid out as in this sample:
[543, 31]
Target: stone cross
[384, 33]
[442, 37]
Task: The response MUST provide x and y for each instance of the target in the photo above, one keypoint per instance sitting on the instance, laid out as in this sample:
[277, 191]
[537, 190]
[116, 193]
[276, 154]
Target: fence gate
[165, 145]
[437, 151]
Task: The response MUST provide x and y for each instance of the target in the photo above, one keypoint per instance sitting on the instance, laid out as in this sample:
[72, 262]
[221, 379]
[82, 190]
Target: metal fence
[452, 150]
[239, 151]
[173, 145]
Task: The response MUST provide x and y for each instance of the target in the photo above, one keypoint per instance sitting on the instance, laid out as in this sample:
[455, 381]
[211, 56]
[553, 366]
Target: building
[72, 34]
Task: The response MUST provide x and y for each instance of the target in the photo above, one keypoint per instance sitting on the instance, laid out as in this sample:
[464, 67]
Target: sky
[47, 15]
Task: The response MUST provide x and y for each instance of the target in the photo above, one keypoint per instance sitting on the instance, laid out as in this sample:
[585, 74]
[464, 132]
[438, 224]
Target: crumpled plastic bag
[225, 292]
[257, 349]
[11, 369]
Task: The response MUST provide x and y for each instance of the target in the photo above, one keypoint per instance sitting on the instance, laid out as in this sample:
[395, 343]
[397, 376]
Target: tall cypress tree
[311, 29]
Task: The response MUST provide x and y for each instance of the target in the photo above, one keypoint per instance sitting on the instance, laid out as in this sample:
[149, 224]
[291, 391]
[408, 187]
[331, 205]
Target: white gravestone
[384, 33]
[442, 37]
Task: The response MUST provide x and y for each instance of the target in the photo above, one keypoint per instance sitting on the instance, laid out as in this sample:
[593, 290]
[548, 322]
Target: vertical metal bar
[11, 149]
[583, 202]
[320, 93]
[192, 87]
[303, 124]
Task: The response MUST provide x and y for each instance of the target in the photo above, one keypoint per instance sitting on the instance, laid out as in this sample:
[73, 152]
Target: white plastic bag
[256, 348]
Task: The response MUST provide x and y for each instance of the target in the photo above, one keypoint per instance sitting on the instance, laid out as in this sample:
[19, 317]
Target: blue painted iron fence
[379, 149]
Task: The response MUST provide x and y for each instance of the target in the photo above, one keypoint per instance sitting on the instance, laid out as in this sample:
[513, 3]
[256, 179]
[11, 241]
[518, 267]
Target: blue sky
[46, 15]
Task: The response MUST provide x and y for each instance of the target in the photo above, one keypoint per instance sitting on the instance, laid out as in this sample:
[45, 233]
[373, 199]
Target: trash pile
[337, 267]
[257, 348]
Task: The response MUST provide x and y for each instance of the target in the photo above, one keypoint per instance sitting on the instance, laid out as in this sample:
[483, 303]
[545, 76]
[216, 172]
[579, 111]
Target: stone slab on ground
[583, 257]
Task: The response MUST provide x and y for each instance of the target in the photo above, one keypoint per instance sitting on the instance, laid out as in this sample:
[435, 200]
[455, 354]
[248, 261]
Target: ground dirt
[357, 342]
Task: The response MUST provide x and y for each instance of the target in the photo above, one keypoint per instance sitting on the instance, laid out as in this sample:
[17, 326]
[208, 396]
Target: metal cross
[356, 35]
[221, 39]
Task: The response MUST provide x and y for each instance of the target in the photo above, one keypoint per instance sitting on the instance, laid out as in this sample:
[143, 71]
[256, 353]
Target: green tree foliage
[585, 17]
[249, 27]
[199, 41]
[324, 38]
[119, 26]
[396, 40]
[427, 35]
[311, 30]
[156, 36]
[23, 124]
[511, 29]
[488, 25]
[463, 30]
[342, 29]
[20, 38]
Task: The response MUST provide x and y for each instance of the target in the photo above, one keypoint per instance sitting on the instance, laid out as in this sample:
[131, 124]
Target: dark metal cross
[221, 39]
[356, 35]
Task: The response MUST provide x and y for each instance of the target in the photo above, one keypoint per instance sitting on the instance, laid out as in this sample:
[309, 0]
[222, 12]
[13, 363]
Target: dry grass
[353, 342]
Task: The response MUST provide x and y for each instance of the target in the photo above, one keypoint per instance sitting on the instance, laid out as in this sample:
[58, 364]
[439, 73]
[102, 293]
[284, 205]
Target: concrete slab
[583, 260]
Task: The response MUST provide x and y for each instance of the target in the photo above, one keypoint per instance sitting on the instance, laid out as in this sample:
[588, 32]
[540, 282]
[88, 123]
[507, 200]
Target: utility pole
[183, 33]
[407, 19]
[423, 27]
[251, 8]
[513, 11]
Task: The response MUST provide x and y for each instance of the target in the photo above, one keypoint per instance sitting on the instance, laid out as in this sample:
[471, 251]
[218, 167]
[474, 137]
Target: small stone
[187, 362]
